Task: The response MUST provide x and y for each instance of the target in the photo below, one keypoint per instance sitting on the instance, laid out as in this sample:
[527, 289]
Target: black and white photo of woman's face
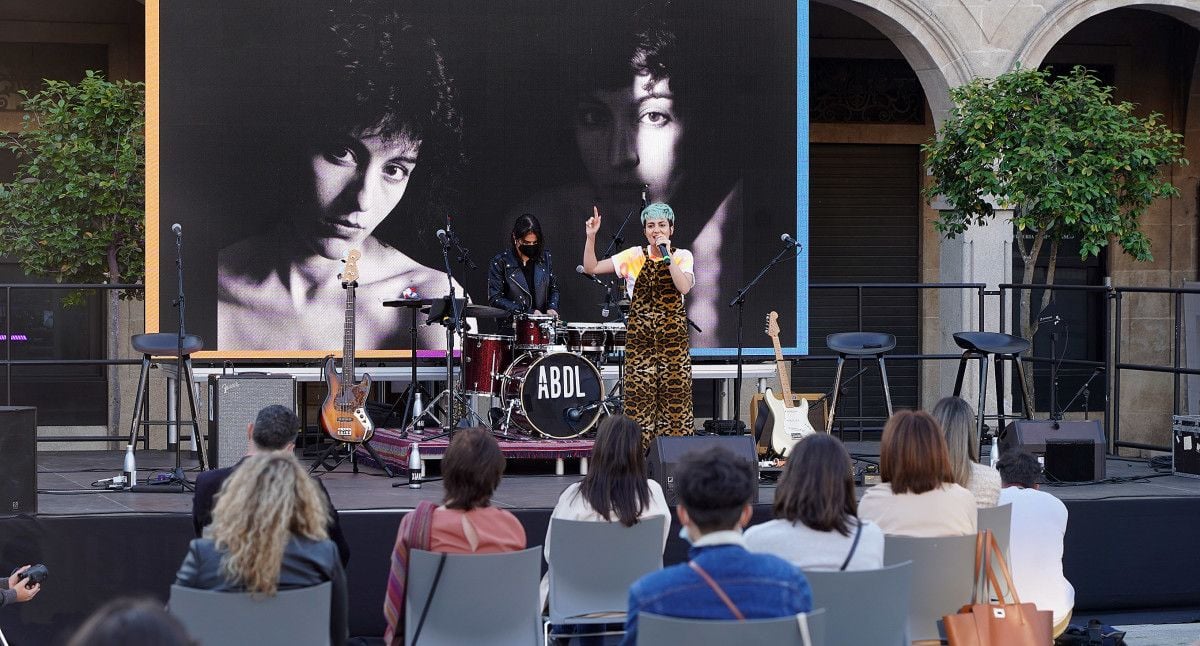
[356, 181]
[629, 137]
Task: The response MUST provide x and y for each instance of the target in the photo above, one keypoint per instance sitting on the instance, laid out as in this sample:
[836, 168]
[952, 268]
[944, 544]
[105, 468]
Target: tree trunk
[1029, 324]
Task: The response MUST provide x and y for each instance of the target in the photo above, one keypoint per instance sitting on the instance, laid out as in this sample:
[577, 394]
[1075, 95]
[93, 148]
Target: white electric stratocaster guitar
[789, 421]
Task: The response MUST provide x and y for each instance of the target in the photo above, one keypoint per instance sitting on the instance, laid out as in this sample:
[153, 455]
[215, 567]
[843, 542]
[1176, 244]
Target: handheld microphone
[177, 229]
[790, 241]
[443, 237]
[666, 254]
[579, 270]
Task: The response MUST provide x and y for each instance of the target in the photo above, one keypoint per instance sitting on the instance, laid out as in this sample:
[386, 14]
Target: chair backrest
[943, 578]
[999, 520]
[299, 617]
[595, 563]
[864, 606]
[478, 594]
[657, 630]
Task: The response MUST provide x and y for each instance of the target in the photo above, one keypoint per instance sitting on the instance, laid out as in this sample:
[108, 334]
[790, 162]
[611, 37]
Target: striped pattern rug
[394, 449]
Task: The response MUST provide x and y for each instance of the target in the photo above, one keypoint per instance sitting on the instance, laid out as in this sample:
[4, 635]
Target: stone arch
[1069, 15]
[925, 42]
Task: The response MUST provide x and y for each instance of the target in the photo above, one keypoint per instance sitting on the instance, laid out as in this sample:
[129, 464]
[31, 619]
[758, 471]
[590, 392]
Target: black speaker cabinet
[666, 452]
[233, 402]
[1082, 446]
[18, 460]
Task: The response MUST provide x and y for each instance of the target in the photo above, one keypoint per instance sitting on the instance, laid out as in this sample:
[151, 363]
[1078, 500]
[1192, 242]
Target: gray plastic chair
[943, 578]
[999, 520]
[297, 617]
[480, 599]
[593, 566]
[657, 630]
[863, 606]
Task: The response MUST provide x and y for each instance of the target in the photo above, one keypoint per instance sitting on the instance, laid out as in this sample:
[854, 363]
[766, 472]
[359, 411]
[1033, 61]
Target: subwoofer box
[1031, 436]
[667, 451]
[18, 460]
[233, 402]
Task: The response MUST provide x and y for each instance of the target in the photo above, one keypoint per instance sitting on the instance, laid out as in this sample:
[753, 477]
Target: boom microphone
[789, 240]
[579, 270]
[443, 237]
[178, 230]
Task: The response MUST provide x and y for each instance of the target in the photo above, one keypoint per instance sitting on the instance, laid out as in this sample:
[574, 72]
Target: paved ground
[1162, 635]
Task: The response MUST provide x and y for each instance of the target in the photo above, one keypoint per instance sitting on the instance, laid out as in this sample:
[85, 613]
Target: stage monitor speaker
[1033, 436]
[18, 460]
[1071, 461]
[667, 451]
[233, 402]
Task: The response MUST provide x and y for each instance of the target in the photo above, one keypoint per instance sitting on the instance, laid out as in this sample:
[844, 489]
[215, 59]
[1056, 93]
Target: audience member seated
[917, 495]
[274, 429]
[465, 523]
[816, 524]
[14, 590]
[722, 580]
[269, 533]
[957, 420]
[131, 622]
[1039, 522]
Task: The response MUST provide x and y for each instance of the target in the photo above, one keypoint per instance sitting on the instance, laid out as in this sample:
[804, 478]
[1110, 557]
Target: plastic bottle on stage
[130, 469]
[994, 452]
[414, 467]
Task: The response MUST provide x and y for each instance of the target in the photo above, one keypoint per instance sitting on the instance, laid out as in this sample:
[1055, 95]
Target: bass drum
[543, 391]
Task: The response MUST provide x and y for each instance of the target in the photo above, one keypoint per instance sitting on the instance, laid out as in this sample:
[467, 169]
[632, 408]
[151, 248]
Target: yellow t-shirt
[629, 264]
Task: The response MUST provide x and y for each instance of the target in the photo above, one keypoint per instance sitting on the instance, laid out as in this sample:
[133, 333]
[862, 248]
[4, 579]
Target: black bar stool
[979, 345]
[165, 345]
[859, 345]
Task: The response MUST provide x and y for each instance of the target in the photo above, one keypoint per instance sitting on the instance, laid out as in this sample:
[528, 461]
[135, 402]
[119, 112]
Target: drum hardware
[415, 393]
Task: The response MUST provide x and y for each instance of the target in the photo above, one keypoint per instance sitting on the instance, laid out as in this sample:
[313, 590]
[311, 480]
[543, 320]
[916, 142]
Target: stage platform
[1130, 543]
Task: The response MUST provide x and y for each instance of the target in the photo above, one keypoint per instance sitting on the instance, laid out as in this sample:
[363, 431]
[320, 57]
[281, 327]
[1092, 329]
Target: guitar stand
[351, 454]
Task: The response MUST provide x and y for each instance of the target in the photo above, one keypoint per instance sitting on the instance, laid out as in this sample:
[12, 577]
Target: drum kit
[546, 375]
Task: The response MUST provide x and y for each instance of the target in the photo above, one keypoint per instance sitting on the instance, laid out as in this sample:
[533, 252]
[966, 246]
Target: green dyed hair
[658, 211]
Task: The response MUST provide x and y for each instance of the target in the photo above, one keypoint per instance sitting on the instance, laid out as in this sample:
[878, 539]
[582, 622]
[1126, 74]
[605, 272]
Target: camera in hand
[34, 575]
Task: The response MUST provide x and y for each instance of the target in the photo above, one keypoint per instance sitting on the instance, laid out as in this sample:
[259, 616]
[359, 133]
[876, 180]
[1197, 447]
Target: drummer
[521, 278]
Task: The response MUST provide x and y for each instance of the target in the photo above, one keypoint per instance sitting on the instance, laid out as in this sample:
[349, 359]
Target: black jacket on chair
[509, 291]
[305, 563]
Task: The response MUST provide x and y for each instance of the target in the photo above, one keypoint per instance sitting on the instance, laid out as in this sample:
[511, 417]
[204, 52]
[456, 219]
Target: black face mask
[531, 251]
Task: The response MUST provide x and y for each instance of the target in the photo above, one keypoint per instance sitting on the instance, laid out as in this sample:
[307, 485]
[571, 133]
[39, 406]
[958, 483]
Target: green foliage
[77, 208]
[1059, 151]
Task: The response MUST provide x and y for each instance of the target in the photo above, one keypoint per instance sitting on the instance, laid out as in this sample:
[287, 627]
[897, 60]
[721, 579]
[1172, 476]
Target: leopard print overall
[658, 366]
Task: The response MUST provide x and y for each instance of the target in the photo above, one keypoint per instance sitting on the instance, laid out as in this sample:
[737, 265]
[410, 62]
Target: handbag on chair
[983, 623]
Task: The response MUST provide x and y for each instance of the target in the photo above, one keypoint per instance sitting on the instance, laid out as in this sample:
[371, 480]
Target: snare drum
[543, 391]
[485, 358]
[587, 339]
[535, 331]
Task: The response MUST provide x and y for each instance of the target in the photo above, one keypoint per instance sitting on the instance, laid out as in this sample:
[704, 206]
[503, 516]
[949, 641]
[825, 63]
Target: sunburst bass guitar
[343, 413]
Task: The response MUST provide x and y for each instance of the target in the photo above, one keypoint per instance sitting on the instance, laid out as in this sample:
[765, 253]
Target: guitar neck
[783, 369]
[348, 349]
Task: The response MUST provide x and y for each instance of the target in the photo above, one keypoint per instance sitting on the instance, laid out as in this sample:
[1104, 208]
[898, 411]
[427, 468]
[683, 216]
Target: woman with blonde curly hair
[268, 533]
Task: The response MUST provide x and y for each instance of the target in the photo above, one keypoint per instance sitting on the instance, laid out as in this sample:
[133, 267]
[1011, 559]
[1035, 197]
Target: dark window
[863, 90]
[37, 325]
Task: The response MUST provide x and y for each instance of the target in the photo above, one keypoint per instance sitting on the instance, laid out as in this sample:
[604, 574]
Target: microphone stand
[740, 300]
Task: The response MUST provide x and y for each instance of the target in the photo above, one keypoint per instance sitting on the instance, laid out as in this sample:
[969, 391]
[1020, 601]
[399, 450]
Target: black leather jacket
[508, 290]
[305, 563]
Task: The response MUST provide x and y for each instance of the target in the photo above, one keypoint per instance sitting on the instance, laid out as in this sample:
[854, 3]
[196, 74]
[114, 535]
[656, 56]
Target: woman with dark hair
[131, 622]
[385, 122]
[465, 523]
[917, 495]
[816, 524]
[617, 488]
[521, 279]
[957, 420]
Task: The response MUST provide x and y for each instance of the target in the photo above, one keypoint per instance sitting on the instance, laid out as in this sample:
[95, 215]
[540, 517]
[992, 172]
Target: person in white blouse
[816, 524]
[616, 487]
[917, 495]
[957, 420]
[1039, 524]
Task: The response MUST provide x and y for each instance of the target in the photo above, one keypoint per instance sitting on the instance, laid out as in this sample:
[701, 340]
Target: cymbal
[478, 311]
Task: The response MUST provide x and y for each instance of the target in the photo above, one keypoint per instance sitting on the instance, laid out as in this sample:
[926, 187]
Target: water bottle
[418, 412]
[130, 469]
[414, 467]
[994, 452]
